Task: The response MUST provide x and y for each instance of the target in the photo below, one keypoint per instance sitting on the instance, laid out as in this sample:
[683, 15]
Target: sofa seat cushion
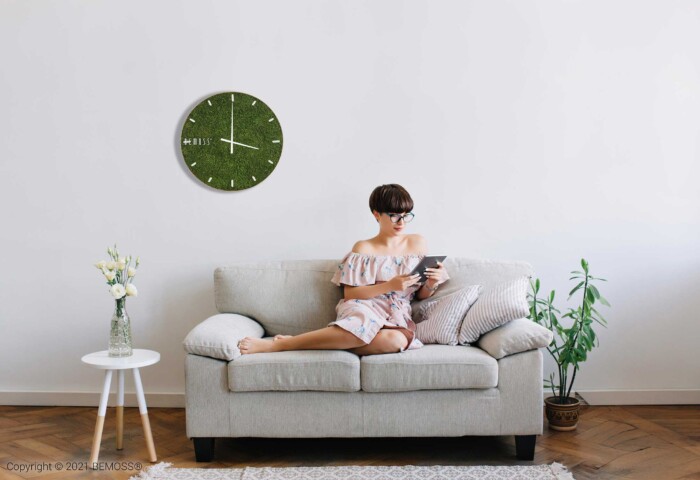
[432, 367]
[321, 370]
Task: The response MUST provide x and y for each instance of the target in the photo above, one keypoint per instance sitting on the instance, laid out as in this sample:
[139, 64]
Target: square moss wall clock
[231, 141]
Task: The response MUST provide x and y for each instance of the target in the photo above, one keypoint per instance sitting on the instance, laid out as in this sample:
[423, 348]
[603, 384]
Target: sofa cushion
[432, 367]
[287, 297]
[516, 336]
[218, 336]
[501, 304]
[442, 319]
[321, 370]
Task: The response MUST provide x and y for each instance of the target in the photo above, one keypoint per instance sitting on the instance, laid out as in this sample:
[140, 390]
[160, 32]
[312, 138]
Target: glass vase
[120, 331]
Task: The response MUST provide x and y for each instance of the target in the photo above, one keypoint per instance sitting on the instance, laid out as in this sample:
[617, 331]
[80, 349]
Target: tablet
[429, 261]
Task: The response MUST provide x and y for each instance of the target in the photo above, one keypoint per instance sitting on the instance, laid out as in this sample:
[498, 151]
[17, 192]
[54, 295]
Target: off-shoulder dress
[365, 317]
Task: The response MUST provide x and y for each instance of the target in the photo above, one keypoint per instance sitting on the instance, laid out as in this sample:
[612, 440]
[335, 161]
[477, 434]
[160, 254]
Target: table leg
[101, 411]
[144, 416]
[120, 410]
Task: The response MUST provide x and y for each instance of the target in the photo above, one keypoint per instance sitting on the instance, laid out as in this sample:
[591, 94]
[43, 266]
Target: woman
[375, 314]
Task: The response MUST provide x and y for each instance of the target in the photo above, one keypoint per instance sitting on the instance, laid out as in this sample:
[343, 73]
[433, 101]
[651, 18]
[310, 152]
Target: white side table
[102, 360]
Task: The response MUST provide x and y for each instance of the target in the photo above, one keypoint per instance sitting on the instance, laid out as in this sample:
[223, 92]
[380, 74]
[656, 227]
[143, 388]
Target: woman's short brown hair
[390, 198]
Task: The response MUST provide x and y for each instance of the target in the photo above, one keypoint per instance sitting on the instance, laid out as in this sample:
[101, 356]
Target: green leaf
[594, 290]
[604, 301]
[576, 288]
[590, 296]
[584, 264]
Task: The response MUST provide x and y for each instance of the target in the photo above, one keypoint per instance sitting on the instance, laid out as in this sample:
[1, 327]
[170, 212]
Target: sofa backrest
[296, 296]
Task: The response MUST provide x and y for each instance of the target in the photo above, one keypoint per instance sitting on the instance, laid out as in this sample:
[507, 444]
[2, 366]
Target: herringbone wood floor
[631, 442]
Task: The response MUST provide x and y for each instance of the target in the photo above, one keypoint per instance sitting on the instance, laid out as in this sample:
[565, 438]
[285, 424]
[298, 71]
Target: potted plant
[574, 342]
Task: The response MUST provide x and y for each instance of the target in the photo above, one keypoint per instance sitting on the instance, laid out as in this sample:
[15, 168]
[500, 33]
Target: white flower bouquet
[119, 274]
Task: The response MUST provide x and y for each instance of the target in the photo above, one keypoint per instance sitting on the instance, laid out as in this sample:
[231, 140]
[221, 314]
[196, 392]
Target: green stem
[121, 304]
[562, 384]
[534, 303]
[572, 382]
[549, 325]
[580, 327]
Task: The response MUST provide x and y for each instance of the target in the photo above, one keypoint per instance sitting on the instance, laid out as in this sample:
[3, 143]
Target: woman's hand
[436, 276]
[402, 282]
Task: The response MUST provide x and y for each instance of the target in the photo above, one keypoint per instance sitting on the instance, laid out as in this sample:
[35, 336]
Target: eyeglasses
[395, 217]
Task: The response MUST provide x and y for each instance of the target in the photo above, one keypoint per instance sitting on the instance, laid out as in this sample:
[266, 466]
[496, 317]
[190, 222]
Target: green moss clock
[231, 141]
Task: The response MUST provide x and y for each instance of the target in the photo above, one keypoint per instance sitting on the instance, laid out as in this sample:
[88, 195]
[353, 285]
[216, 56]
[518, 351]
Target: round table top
[139, 358]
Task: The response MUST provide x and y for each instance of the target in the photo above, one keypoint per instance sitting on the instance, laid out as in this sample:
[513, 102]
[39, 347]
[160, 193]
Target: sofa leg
[204, 449]
[525, 447]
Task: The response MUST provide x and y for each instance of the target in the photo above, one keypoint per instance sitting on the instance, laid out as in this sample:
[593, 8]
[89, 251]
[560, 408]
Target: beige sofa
[437, 390]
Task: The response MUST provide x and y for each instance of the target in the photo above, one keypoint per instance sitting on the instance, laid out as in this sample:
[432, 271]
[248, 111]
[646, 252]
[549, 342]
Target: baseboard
[639, 397]
[89, 399]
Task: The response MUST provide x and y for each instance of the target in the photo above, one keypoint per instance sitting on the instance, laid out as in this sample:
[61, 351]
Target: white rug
[555, 471]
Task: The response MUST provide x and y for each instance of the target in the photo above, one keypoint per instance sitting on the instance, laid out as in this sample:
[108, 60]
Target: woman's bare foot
[280, 336]
[256, 345]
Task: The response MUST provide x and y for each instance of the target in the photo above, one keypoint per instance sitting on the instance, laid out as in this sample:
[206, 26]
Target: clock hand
[237, 143]
[244, 145]
[231, 127]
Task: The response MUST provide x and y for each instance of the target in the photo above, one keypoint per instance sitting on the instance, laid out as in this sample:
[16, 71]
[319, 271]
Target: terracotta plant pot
[562, 417]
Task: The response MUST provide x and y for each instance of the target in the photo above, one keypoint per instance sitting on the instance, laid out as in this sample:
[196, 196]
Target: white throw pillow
[501, 304]
[218, 336]
[442, 318]
[519, 335]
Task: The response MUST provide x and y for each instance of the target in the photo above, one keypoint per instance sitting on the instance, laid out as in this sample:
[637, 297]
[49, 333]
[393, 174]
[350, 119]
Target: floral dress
[365, 317]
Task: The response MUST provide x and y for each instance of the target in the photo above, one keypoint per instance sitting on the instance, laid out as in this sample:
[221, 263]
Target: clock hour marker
[253, 104]
[232, 97]
[254, 179]
[195, 163]
[275, 141]
[271, 162]
[209, 102]
[209, 181]
[192, 120]
[271, 119]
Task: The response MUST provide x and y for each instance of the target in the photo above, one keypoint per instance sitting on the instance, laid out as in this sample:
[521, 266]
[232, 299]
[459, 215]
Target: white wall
[538, 131]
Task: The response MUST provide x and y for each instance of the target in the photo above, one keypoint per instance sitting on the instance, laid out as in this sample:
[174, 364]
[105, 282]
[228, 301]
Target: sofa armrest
[218, 335]
[514, 337]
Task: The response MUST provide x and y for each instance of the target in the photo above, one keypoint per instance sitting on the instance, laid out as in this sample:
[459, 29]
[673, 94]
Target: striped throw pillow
[443, 317]
[501, 304]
